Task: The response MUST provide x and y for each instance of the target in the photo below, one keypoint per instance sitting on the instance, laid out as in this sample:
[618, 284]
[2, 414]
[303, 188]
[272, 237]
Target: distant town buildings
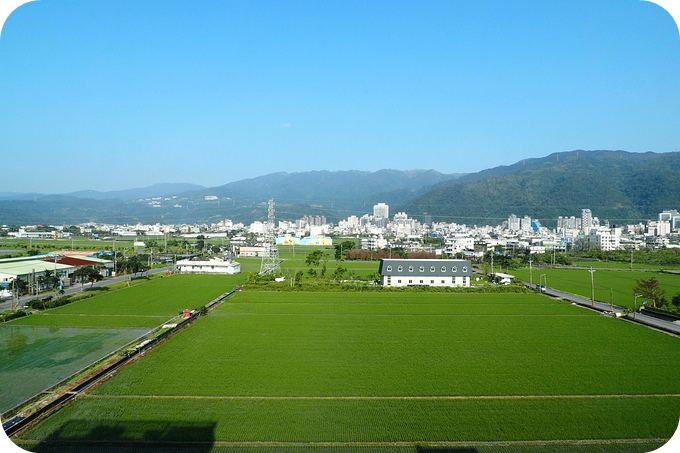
[518, 235]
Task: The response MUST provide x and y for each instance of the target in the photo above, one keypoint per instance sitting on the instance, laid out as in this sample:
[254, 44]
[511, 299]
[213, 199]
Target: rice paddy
[401, 371]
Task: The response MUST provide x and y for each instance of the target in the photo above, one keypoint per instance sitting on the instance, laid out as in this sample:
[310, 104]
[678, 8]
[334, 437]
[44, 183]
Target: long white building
[214, 266]
[424, 272]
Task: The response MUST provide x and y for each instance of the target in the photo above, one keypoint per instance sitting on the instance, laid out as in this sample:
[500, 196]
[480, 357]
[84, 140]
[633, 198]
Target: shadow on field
[421, 449]
[102, 436]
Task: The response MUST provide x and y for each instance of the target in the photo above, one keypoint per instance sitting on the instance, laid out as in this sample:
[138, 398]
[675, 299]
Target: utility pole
[631, 259]
[554, 247]
[531, 275]
[592, 287]
[492, 273]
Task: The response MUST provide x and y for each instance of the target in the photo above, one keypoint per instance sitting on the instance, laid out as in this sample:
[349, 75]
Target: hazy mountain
[156, 190]
[335, 190]
[616, 185]
[335, 195]
[20, 196]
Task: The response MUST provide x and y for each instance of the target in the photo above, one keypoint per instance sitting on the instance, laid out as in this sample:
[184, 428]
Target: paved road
[76, 288]
[641, 318]
[655, 322]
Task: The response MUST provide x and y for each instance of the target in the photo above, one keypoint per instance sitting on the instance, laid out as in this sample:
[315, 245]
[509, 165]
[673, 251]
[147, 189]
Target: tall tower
[270, 257]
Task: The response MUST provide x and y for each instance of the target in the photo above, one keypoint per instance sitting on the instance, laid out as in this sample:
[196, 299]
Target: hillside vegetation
[616, 185]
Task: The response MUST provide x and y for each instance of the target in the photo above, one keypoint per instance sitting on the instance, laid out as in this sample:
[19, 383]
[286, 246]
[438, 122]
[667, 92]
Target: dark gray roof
[426, 268]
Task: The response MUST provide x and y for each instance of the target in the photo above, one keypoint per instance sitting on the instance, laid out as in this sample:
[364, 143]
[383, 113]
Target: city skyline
[106, 96]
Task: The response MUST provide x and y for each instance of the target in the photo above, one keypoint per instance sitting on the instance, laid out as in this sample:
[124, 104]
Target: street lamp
[636, 296]
[531, 275]
[543, 278]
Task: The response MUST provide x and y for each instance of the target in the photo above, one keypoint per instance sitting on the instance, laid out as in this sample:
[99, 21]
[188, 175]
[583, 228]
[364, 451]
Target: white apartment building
[373, 243]
[672, 216]
[586, 220]
[257, 228]
[661, 228]
[458, 243]
[513, 223]
[525, 223]
[568, 223]
[381, 211]
[605, 238]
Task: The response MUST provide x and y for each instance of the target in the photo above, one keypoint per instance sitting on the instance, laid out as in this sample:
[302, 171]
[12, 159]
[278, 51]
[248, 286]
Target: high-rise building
[586, 220]
[671, 216]
[381, 211]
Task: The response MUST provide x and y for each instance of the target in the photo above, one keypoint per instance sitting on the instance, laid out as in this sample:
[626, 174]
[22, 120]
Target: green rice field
[33, 358]
[390, 371]
[618, 283]
[623, 265]
[48, 346]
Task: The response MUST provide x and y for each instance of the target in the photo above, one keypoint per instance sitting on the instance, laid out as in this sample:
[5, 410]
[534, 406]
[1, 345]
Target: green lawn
[390, 367]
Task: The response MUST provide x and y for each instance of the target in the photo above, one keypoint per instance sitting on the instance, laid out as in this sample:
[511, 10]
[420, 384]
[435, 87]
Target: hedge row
[320, 286]
[9, 315]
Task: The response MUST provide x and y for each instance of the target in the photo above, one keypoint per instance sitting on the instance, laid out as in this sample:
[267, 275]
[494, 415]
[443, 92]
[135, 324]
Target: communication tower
[270, 257]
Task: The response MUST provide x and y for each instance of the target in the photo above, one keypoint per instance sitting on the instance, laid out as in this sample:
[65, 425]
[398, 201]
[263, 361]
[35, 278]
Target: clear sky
[109, 95]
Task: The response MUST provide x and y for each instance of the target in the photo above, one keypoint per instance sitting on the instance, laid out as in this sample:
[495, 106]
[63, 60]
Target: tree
[48, 280]
[342, 249]
[200, 242]
[133, 265]
[676, 301]
[649, 288]
[314, 258]
[88, 274]
[339, 272]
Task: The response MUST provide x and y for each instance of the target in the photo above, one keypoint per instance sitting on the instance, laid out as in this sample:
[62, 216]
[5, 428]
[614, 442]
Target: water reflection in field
[33, 359]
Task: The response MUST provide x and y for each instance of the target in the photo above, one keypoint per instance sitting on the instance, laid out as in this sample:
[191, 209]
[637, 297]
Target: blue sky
[127, 93]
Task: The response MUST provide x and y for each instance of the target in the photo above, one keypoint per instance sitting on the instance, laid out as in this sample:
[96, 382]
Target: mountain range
[620, 186]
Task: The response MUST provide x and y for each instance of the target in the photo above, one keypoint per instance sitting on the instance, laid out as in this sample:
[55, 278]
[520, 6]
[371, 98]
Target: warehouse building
[213, 266]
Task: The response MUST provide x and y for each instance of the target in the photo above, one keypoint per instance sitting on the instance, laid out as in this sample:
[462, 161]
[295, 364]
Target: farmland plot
[42, 349]
[374, 369]
[614, 285]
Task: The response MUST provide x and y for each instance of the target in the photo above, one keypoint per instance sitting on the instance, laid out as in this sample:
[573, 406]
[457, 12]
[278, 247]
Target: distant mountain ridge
[616, 185]
[156, 190]
[619, 186]
[335, 194]
[340, 189]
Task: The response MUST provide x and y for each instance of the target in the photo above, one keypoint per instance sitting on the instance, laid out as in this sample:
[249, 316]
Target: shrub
[9, 315]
